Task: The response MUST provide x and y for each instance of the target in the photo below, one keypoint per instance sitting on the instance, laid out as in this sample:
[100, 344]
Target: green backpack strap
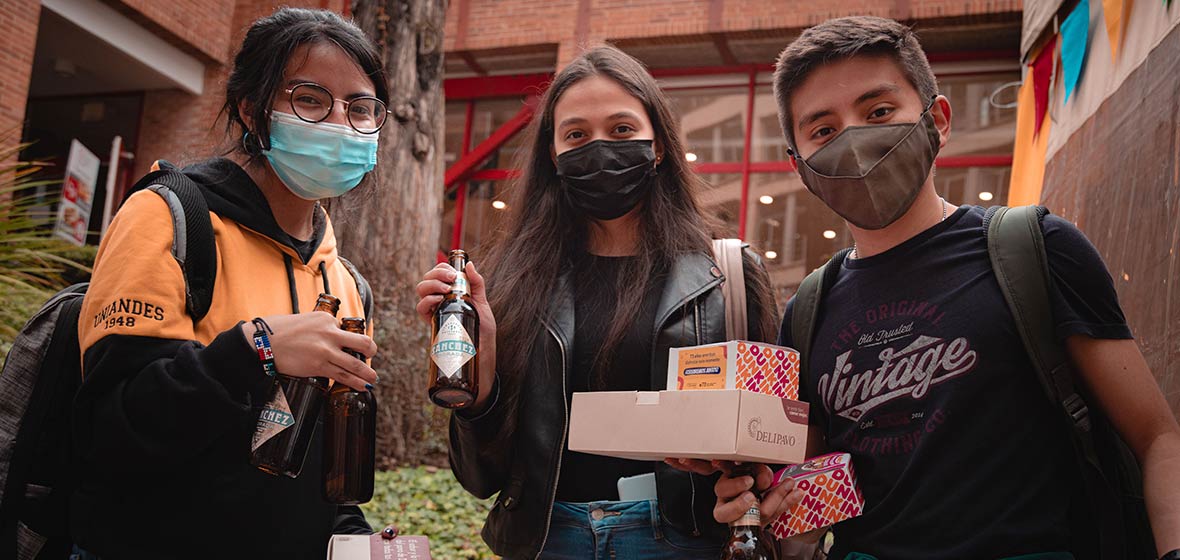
[1016, 247]
[805, 313]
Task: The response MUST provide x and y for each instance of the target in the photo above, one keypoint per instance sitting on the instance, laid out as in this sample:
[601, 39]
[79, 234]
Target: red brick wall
[18, 26]
[181, 127]
[200, 26]
[495, 24]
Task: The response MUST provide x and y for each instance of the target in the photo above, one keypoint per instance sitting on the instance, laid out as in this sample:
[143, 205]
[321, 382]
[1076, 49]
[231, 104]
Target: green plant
[33, 264]
[429, 501]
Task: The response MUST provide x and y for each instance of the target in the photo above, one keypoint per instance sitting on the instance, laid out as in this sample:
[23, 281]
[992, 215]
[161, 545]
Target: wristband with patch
[262, 345]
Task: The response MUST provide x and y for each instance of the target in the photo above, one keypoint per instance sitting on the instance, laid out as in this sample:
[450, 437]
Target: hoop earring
[250, 143]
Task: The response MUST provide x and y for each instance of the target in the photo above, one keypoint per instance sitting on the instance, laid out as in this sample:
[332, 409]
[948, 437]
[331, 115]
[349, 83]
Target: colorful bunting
[1042, 79]
[1075, 34]
[1116, 13]
[1028, 157]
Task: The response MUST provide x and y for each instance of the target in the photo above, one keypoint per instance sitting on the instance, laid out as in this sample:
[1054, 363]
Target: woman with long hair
[166, 418]
[604, 264]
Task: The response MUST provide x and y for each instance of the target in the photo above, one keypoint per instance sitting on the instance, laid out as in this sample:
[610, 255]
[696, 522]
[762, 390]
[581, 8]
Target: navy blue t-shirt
[918, 371]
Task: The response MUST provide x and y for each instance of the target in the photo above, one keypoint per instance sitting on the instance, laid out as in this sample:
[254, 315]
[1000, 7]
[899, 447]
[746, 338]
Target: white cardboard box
[733, 425]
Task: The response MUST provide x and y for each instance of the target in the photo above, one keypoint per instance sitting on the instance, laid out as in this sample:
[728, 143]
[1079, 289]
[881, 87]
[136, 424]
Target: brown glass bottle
[454, 371]
[745, 540]
[350, 437]
[288, 420]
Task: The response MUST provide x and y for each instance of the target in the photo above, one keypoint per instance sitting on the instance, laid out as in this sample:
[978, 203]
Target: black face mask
[607, 179]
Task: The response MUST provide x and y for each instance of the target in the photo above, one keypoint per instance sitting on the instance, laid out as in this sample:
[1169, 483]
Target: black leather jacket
[525, 470]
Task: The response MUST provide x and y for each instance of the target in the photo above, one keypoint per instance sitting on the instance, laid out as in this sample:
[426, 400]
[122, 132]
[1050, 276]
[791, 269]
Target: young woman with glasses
[167, 412]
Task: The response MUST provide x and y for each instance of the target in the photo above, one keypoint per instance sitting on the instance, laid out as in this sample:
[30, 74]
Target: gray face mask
[870, 175]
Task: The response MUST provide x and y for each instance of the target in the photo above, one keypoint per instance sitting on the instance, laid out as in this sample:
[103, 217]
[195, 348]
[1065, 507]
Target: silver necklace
[853, 254]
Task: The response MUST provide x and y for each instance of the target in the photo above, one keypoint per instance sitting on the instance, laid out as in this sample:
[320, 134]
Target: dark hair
[257, 75]
[544, 230]
[843, 38]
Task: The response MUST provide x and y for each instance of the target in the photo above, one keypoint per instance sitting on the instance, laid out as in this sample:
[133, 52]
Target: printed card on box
[830, 495]
[737, 364]
[374, 547]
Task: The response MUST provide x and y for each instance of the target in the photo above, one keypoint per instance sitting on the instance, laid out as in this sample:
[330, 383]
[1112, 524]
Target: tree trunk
[389, 228]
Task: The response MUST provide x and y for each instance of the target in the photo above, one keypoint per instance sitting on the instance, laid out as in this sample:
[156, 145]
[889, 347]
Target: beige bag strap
[728, 254]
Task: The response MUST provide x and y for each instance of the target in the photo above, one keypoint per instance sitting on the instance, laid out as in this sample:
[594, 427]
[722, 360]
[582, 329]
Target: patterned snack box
[830, 495]
[737, 364]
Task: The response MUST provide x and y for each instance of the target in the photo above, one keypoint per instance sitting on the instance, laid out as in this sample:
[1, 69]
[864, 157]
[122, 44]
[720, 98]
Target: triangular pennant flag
[1113, 11]
[1028, 154]
[1075, 34]
[1042, 77]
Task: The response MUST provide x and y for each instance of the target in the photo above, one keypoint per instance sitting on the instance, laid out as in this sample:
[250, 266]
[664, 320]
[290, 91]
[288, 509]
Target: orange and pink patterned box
[737, 364]
[830, 495]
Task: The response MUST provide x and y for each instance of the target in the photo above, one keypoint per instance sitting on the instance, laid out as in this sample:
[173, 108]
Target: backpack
[43, 372]
[1111, 475]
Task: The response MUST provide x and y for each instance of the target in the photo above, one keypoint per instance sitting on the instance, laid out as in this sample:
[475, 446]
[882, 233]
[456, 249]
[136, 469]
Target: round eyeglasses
[314, 103]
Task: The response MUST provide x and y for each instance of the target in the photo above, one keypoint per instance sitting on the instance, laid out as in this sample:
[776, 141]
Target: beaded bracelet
[262, 344]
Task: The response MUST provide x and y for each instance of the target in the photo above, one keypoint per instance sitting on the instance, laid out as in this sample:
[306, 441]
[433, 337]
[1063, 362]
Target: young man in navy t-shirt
[916, 367]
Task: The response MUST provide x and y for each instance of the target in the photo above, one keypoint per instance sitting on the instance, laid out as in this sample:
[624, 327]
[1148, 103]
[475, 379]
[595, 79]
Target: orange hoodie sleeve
[152, 396]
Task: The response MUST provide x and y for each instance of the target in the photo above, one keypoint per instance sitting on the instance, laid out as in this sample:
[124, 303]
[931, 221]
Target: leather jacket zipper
[561, 448]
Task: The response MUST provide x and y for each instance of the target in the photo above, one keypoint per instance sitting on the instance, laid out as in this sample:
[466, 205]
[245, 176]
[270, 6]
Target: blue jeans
[79, 554]
[624, 530]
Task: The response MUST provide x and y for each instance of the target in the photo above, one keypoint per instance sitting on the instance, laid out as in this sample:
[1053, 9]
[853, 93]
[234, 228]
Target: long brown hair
[544, 230]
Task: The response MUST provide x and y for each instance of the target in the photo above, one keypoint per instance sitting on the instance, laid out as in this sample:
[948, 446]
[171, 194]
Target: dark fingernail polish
[369, 386]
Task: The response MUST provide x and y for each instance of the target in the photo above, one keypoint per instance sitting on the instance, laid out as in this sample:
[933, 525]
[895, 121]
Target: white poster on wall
[77, 194]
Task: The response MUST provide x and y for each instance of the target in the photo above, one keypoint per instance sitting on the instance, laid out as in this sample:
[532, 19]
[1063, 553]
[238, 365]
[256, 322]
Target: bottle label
[752, 518]
[452, 346]
[276, 416]
[460, 285]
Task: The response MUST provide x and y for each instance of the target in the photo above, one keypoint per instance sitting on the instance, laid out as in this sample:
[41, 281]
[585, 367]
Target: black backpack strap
[193, 244]
[362, 287]
[1016, 247]
[805, 313]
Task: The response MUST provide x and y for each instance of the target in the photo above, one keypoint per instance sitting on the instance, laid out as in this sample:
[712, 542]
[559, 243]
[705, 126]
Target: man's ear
[941, 111]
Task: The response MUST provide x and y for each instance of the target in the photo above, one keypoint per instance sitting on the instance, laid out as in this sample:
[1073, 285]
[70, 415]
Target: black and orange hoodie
[168, 405]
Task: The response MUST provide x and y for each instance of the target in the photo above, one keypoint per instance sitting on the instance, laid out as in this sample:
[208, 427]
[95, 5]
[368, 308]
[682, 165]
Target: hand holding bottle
[434, 287]
[311, 345]
[737, 492]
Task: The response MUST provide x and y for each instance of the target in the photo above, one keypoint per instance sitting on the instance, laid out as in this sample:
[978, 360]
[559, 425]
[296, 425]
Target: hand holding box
[830, 495]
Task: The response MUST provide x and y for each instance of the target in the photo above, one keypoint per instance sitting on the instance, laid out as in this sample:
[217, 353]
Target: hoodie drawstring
[324, 275]
[291, 283]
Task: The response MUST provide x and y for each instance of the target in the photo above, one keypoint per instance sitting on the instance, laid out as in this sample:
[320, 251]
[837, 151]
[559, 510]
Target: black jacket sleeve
[478, 458]
[148, 403]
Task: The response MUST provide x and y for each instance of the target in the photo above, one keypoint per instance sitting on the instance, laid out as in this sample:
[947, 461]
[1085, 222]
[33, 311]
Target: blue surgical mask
[318, 160]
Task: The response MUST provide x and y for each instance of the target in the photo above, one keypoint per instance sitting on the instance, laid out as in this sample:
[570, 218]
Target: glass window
[722, 199]
[978, 126]
[983, 186]
[767, 142]
[456, 119]
[793, 230]
[489, 115]
[483, 213]
[712, 121]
